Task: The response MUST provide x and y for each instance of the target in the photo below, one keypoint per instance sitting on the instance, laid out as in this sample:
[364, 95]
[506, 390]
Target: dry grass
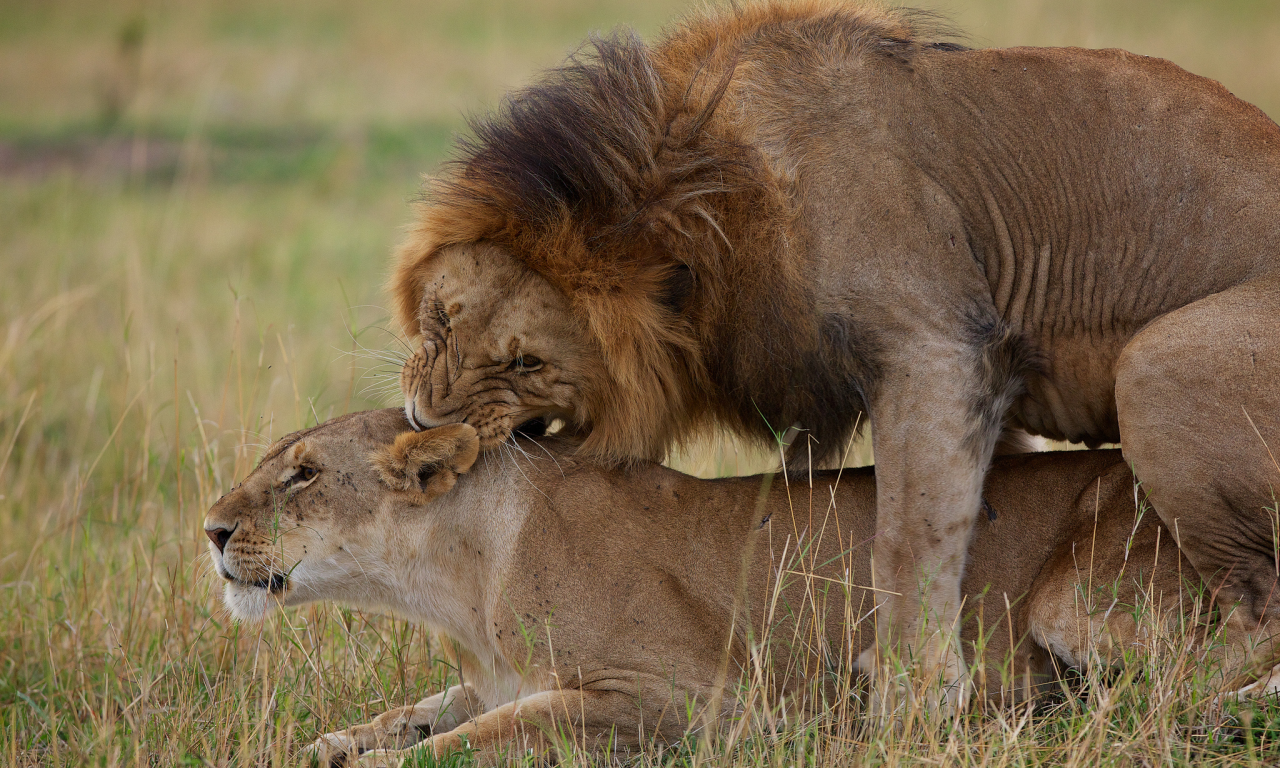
[197, 201]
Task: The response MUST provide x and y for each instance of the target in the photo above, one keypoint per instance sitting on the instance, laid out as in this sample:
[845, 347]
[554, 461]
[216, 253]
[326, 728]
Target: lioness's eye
[304, 475]
[525, 364]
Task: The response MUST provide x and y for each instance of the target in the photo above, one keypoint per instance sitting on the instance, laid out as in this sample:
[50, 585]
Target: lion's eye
[525, 364]
[304, 474]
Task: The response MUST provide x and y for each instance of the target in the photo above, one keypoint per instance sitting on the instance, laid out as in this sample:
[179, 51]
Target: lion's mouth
[532, 428]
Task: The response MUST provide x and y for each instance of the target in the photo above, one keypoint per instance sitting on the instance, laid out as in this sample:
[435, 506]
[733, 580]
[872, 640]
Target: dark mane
[633, 181]
[603, 149]
[579, 141]
[610, 135]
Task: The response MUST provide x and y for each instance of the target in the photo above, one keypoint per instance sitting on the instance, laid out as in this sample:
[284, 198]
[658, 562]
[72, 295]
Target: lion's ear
[426, 464]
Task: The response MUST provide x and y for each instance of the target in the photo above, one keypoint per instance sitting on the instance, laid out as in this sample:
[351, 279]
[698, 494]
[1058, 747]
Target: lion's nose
[220, 536]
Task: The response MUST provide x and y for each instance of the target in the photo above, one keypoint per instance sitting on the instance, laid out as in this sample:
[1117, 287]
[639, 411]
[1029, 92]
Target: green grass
[197, 205]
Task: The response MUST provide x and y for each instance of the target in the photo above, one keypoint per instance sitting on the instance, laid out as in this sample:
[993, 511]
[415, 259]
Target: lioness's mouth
[274, 585]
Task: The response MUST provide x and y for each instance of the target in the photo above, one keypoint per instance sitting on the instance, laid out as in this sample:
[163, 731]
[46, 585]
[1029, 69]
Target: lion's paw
[942, 688]
[332, 750]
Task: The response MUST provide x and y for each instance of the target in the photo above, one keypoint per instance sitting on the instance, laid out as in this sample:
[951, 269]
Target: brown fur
[589, 601]
[250, 519]
[615, 177]
[789, 213]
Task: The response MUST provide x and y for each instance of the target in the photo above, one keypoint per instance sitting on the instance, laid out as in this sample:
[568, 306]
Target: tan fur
[590, 604]
[788, 213]
[273, 525]
[451, 448]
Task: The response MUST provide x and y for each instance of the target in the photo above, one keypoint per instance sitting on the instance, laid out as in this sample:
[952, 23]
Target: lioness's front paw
[332, 750]
[380, 758]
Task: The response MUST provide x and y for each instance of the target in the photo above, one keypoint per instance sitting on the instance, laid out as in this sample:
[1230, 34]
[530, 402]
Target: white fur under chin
[251, 604]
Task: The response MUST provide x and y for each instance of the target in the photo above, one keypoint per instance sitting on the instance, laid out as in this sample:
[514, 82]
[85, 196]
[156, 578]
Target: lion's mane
[630, 179]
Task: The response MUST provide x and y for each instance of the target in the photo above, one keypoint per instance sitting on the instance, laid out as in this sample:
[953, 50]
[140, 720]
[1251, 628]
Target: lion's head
[619, 225]
[315, 513]
[501, 348]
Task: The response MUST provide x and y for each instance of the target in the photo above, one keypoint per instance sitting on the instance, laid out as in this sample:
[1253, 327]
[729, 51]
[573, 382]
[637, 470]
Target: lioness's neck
[448, 560]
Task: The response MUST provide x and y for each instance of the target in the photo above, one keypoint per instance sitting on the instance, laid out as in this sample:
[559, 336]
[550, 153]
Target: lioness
[612, 604]
[787, 213]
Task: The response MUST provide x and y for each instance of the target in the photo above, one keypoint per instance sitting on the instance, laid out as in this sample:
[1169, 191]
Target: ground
[197, 206]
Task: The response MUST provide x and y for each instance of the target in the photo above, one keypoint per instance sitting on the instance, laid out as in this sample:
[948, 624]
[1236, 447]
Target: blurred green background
[198, 201]
[167, 167]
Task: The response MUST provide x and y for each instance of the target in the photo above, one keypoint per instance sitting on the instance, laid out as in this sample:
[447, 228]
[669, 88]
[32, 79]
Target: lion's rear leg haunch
[1198, 398]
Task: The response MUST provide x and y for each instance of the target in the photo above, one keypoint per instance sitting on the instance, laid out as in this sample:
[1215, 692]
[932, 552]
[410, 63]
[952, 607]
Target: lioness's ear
[426, 464]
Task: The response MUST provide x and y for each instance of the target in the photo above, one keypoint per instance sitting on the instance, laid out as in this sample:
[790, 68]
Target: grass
[197, 202]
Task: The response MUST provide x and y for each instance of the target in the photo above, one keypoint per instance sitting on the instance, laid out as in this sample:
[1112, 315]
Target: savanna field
[198, 202]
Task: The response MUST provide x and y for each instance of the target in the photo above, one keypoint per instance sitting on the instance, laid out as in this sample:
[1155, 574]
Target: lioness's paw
[1267, 684]
[332, 750]
[380, 758]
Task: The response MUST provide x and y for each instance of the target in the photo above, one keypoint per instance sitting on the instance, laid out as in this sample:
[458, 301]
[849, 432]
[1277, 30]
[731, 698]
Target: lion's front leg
[934, 429]
[398, 728]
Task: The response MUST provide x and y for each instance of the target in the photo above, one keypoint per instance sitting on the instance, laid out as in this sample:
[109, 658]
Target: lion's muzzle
[439, 390]
[426, 382]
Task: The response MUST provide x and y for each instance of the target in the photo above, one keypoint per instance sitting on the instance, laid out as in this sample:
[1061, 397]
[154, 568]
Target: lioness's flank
[826, 213]
[603, 602]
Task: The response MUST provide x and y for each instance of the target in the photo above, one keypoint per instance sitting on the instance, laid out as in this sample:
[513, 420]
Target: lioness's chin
[253, 603]
[247, 603]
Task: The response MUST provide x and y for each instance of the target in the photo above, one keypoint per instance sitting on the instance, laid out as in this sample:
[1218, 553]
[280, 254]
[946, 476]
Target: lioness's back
[678, 560]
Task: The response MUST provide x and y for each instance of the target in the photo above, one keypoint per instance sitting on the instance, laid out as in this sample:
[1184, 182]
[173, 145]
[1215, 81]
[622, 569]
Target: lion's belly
[1074, 398]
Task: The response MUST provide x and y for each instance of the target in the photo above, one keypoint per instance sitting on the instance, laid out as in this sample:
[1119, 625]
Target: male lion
[789, 213]
[587, 602]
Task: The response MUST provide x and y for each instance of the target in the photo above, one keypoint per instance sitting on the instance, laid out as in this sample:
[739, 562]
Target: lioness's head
[323, 505]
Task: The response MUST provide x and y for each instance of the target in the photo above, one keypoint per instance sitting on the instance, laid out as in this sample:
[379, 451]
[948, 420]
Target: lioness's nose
[220, 536]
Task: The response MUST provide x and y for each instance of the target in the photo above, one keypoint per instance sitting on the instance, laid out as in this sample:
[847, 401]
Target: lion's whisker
[518, 449]
[550, 455]
[516, 464]
[397, 337]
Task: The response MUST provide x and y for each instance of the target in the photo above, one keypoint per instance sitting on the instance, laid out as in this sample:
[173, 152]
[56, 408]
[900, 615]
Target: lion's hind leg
[1198, 400]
